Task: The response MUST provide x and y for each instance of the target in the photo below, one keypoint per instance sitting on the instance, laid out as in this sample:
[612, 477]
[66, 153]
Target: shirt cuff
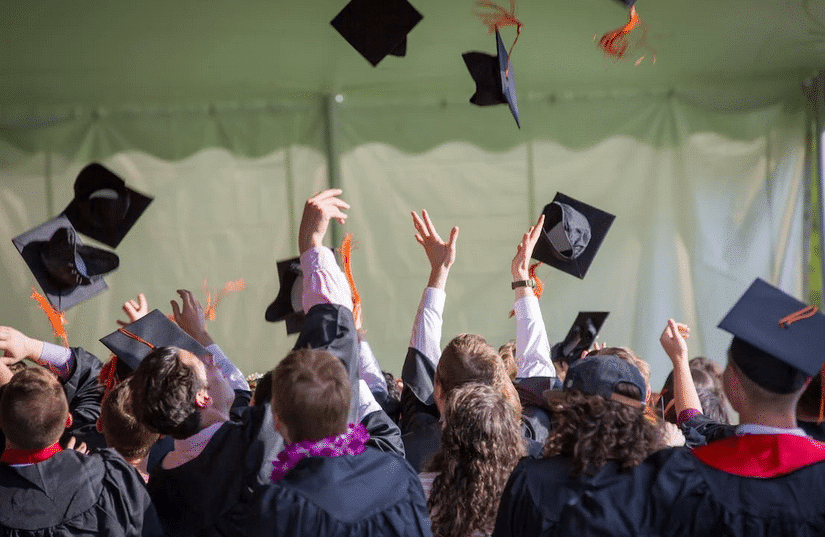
[527, 308]
[60, 360]
[366, 401]
[229, 370]
[324, 281]
[434, 298]
[686, 414]
[370, 369]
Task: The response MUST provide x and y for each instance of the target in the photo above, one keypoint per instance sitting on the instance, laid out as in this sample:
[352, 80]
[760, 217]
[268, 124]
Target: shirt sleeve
[59, 360]
[370, 370]
[532, 347]
[229, 370]
[366, 401]
[324, 281]
[426, 331]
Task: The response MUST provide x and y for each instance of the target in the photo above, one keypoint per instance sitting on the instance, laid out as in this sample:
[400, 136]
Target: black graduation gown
[372, 494]
[75, 494]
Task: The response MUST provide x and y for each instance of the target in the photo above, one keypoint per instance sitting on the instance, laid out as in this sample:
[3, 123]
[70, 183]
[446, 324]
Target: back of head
[628, 356]
[711, 398]
[467, 358]
[122, 430]
[311, 394]
[480, 445]
[33, 409]
[263, 390]
[507, 352]
[164, 390]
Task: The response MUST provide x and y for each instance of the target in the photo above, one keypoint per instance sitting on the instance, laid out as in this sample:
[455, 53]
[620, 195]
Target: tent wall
[706, 200]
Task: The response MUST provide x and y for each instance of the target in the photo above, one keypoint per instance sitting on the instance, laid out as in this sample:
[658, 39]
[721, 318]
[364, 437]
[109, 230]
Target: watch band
[531, 283]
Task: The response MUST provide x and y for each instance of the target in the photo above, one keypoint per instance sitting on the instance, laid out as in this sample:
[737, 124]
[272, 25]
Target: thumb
[453, 237]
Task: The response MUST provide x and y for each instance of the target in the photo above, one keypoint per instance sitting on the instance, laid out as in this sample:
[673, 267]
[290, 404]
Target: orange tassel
[615, 42]
[499, 18]
[56, 318]
[212, 307]
[539, 289]
[108, 376]
[346, 255]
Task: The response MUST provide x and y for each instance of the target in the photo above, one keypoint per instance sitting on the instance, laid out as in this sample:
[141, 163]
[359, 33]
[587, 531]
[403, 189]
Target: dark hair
[263, 390]
[481, 443]
[467, 358]
[122, 430]
[593, 430]
[33, 409]
[811, 399]
[507, 352]
[711, 399]
[163, 391]
[392, 386]
[311, 394]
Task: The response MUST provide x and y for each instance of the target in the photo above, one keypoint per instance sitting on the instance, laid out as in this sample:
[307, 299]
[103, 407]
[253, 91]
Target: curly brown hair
[481, 443]
[593, 430]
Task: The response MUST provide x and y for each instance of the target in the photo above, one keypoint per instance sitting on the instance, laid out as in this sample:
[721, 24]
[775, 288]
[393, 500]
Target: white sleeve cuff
[58, 359]
[229, 370]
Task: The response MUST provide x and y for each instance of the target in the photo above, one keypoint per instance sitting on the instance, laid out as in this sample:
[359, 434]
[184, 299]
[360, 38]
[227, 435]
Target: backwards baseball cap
[778, 340]
[600, 375]
[376, 28]
[494, 78]
[287, 305]
[573, 232]
[68, 271]
[104, 208]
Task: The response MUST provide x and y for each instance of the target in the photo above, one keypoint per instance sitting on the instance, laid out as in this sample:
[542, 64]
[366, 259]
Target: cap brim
[29, 245]
[599, 221]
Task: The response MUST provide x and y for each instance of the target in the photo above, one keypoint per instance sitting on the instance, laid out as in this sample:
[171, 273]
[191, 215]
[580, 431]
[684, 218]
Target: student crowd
[168, 438]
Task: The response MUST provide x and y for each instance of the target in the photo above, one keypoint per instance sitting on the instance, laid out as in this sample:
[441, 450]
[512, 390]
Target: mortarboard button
[133, 342]
[580, 336]
[779, 356]
[494, 78]
[376, 28]
[573, 233]
[287, 305]
[68, 271]
[104, 208]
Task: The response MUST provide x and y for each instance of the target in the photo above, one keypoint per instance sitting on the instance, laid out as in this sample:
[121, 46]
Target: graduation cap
[573, 233]
[133, 342]
[494, 78]
[104, 208]
[67, 271]
[287, 305]
[580, 337]
[376, 28]
[778, 340]
[600, 375]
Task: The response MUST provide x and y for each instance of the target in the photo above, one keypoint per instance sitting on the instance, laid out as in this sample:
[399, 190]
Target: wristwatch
[531, 283]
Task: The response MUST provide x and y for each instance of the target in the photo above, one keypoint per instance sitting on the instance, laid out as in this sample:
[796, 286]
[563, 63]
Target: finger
[337, 202]
[72, 441]
[324, 194]
[420, 239]
[430, 226]
[82, 448]
[121, 323]
[175, 309]
[453, 237]
[419, 225]
[536, 230]
[143, 304]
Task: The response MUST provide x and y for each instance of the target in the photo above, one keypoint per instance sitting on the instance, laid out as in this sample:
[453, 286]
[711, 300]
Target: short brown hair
[33, 409]
[122, 430]
[311, 394]
[467, 358]
[507, 352]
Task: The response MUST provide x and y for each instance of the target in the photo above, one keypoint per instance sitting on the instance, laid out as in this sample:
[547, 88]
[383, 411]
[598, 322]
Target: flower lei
[352, 442]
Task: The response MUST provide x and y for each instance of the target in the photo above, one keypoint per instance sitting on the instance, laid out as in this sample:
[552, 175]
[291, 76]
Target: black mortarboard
[573, 232]
[778, 341]
[376, 28]
[67, 271]
[104, 208]
[133, 342]
[287, 305]
[580, 337]
[494, 78]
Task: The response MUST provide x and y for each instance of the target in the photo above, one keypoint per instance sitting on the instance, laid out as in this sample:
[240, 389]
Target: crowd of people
[168, 438]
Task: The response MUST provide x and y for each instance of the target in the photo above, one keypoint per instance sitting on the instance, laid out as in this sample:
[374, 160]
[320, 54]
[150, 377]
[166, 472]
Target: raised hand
[135, 309]
[520, 266]
[318, 211]
[440, 253]
[673, 341]
[189, 316]
[17, 346]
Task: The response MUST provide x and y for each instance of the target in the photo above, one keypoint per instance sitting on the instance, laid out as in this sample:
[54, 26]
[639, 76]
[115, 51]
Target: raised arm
[533, 358]
[673, 342]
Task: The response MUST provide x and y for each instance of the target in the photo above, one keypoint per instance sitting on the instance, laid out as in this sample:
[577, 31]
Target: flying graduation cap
[287, 305]
[580, 337]
[573, 232]
[494, 78]
[376, 28]
[104, 208]
[68, 271]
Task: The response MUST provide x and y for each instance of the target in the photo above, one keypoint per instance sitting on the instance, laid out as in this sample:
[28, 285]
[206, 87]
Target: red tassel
[615, 42]
[539, 289]
[346, 255]
[212, 307]
[108, 376]
[56, 318]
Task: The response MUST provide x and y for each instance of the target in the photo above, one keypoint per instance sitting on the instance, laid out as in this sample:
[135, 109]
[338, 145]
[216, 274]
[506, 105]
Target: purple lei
[351, 442]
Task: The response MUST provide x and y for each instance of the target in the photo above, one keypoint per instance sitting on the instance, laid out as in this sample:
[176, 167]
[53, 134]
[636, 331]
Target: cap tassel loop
[211, 308]
[499, 18]
[108, 377]
[135, 337]
[804, 313]
[56, 318]
[539, 289]
[346, 255]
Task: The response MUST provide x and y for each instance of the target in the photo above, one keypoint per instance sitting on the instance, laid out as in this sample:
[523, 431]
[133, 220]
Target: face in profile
[571, 235]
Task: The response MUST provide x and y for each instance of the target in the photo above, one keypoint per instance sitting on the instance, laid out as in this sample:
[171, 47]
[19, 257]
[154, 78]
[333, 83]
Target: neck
[141, 465]
[768, 418]
[211, 416]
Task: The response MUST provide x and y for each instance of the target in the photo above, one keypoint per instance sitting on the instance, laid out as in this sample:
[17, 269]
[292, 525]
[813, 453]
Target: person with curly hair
[480, 445]
[602, 432]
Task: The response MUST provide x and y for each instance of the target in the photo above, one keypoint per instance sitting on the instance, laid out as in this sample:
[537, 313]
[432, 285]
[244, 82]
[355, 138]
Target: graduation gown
[74, 494]
[372, 494]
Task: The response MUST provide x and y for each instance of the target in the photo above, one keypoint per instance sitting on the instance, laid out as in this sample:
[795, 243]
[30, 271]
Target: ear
[69, 420]
[202, 399]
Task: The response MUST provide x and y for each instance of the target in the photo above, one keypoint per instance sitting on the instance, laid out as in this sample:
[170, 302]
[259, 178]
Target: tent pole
[333, 164]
